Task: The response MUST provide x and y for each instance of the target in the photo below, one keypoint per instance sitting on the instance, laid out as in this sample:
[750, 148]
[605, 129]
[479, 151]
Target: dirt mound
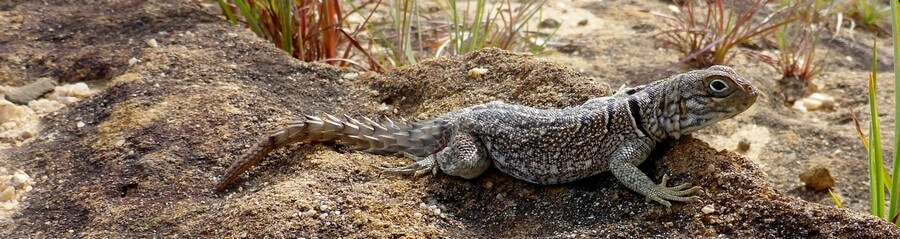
[140, 158]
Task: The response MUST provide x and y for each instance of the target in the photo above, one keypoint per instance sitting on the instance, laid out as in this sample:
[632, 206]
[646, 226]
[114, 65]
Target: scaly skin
[542, 146]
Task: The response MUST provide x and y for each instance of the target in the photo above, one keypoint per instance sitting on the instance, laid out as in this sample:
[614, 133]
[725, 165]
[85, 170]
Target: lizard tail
[385, 138]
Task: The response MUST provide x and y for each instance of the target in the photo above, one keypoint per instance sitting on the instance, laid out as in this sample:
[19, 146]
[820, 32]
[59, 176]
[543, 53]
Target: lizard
[543, 146]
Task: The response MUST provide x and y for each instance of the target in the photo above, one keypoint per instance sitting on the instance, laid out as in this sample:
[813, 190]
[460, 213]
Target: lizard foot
[663, 194]
[417, 168]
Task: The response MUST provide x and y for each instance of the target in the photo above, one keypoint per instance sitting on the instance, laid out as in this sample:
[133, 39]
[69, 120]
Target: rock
[8, 194]
[583, 23]
[43, 106]
[350, 76]
[708, 209]
[811, 104]
[152, 43]
[817, 178]
[31, 91]
[549, 23]
[798, 106]
[743, 145]
[10, 112]
[78, 90]
[477, 72]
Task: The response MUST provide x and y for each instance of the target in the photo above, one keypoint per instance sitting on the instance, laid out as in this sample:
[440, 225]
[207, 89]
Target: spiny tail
[386, 138]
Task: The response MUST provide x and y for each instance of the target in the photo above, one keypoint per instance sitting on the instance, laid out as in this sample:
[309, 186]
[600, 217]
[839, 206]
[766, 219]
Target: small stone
[27, 134]
[417, 214]
[549, 23]
[29, 92]
[350, 76]
[43, 106]
[9, 125]
[798, 106]
[817, 178]
[323, 207]
[437, 211]
[488, 185]
[133, 61]
[152, 43]
[743, 145]
[477, 72]
[19, 179]
[812, 104]
[79, 124]
[582, 23]
[708, 209]
[8, 194]
[310, 212]
[323, 216]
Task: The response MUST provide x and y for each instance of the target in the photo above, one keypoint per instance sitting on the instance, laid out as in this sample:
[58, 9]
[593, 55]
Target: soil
[139, 158]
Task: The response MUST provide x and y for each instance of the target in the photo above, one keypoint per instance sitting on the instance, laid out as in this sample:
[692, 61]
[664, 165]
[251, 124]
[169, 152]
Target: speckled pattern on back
[542, 146]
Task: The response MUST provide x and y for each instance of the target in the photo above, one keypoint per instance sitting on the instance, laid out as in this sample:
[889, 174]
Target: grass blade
[876, 166]
[895, 199]
[834, 197]
[228, 14]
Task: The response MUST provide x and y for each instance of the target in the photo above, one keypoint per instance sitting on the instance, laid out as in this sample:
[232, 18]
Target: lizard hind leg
[464, 156]
[417, 168]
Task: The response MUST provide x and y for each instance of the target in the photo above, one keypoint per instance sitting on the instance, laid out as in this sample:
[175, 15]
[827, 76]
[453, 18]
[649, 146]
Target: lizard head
[705, 97]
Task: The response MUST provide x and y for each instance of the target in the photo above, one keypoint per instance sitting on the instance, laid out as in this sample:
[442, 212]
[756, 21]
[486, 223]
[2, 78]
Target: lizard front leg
[623, 166]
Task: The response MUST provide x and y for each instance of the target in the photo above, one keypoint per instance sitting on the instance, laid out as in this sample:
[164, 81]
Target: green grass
[881, 184]
[869, 14]
[894, 186]
[467, 26]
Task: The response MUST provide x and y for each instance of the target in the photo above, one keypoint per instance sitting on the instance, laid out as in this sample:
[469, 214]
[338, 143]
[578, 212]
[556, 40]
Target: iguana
[543, 146]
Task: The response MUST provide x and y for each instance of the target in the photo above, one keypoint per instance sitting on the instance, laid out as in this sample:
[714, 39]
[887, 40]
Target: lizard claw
[663, 194]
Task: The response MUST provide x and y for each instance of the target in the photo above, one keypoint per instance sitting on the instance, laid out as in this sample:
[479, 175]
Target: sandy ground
[140, 156]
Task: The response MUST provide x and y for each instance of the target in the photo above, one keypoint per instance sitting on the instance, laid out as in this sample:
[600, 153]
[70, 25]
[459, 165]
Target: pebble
[79, 124]
[43, 106]
[10, 112]
[323, 216]
[477, 72]
[743, 145]
[350, 76]
[152, 43]
[8, 194]
[817, 178]
[708, 209]
[19, 179]
[417, 214]
[814, 101]
[29, 92]
[133, 61]
[488, 185]
[549, 23]
[323, 207]
[582, 23]
[79, 89]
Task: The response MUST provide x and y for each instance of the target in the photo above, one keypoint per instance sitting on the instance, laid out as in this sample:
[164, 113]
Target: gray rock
[31, 91]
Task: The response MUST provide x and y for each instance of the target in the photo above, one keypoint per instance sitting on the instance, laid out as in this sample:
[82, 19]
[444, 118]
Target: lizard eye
[718, 85]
